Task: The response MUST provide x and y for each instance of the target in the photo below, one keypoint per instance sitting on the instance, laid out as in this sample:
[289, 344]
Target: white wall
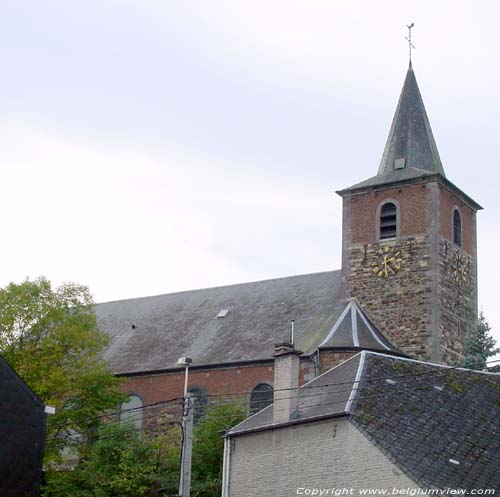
[330, 454]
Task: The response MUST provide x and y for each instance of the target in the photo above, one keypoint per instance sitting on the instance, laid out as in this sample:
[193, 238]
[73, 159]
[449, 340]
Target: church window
[200, 402]
[457, 227]
[261, 396]
[388, 221]
[131, 411]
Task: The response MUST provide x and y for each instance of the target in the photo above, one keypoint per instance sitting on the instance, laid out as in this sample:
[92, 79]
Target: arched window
[457, 227]
[261, 396]
[388, 221]
[131, 411]
[200, 402]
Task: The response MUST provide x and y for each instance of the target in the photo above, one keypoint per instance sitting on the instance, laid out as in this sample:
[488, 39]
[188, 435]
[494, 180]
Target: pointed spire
[410, 143]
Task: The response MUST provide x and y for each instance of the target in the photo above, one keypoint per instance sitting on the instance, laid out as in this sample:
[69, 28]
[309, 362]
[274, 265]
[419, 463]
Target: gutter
[293, 422]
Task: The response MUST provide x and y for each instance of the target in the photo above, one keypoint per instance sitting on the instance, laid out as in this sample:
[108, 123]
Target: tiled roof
[440, 425]
[152, 333]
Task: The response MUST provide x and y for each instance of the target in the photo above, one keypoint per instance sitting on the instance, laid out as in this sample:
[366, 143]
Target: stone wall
[400, 305]
[328, 359]
[458, 299]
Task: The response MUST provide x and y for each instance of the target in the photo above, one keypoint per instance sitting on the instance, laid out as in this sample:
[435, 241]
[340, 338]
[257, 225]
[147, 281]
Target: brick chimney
[286, 382]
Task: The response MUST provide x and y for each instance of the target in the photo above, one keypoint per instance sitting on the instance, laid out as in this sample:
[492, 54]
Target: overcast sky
[153, 146]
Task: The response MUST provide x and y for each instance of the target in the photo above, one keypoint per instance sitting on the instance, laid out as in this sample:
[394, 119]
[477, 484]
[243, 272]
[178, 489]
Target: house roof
[329, 394]
[436, 423]
[151, 333]
[13, 386]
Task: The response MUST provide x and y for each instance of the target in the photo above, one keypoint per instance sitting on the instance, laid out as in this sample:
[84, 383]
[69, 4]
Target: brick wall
[328, 454]
[447, 201]
[413, 203]
[242, 380]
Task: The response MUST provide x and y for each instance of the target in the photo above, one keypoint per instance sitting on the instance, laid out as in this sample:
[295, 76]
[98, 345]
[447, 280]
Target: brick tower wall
[421, 309]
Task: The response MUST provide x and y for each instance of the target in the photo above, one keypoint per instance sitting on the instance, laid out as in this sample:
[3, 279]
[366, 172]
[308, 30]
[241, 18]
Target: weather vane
[408, 38]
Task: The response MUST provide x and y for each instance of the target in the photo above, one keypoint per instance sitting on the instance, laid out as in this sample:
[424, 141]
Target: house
[409, 260]
[22, 435]
[376, 421]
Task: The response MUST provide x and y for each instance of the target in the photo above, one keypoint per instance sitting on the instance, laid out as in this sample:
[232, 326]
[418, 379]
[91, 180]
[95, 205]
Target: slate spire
[410, 143]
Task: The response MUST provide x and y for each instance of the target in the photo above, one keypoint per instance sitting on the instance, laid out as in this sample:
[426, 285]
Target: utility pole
[187, 447]
[187, 433]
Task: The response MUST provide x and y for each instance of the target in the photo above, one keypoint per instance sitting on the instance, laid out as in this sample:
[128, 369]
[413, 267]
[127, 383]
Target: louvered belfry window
[457, 228]
[388, 221]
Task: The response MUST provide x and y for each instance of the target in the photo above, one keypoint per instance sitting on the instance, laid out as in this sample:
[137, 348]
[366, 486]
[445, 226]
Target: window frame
[455, 211]
[252, 409]
[378, 220]
[139, 421]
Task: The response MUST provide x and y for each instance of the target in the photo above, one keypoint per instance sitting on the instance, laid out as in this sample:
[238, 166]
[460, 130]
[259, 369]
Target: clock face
[459, 267]
[387, 261]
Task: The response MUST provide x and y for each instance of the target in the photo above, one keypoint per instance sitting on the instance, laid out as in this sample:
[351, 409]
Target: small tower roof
[410, 143]
[354, 330]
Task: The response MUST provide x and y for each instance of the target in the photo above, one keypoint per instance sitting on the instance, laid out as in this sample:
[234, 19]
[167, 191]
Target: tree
[479, 346]
[126, 462]
[208, 446]
[122, 463]
[50, 337]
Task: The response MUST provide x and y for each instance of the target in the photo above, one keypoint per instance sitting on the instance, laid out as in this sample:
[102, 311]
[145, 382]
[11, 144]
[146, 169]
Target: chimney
[286, 382]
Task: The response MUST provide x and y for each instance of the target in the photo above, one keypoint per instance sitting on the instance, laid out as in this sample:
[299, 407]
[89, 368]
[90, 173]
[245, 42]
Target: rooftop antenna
[408, 39]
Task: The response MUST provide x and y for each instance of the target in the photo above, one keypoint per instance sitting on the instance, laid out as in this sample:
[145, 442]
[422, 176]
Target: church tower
[409, 242]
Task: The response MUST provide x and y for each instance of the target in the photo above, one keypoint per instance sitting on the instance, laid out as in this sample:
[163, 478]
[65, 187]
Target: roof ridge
[317, 273]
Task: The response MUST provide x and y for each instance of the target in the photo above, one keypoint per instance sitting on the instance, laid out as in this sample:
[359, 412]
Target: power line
[446, 370]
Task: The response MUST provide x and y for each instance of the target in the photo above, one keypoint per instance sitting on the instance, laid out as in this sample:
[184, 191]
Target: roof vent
[399, 163]
[222, 313]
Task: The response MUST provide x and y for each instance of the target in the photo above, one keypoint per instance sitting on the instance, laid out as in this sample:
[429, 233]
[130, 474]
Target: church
[407, 287]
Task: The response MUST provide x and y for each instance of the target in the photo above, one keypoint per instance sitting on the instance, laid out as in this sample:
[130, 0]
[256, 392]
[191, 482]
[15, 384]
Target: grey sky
[154, 146]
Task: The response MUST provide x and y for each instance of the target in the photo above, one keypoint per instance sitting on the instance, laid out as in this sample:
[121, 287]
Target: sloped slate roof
[22, 435]
[410, 151]
[151, 333]
[439, 425]
[410, 137]
[354, 329]
[328, 394]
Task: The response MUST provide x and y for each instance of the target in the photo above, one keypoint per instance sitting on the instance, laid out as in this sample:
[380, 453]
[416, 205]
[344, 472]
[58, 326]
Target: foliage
[50, 337]
[479, 346]
[125, 462]
[208, 447]
[122, 463]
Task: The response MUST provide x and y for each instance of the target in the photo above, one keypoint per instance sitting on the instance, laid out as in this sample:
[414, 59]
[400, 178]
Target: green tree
[50, 337]
[479, 346]
[125, 462]
[122, 463]
[208, 446]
